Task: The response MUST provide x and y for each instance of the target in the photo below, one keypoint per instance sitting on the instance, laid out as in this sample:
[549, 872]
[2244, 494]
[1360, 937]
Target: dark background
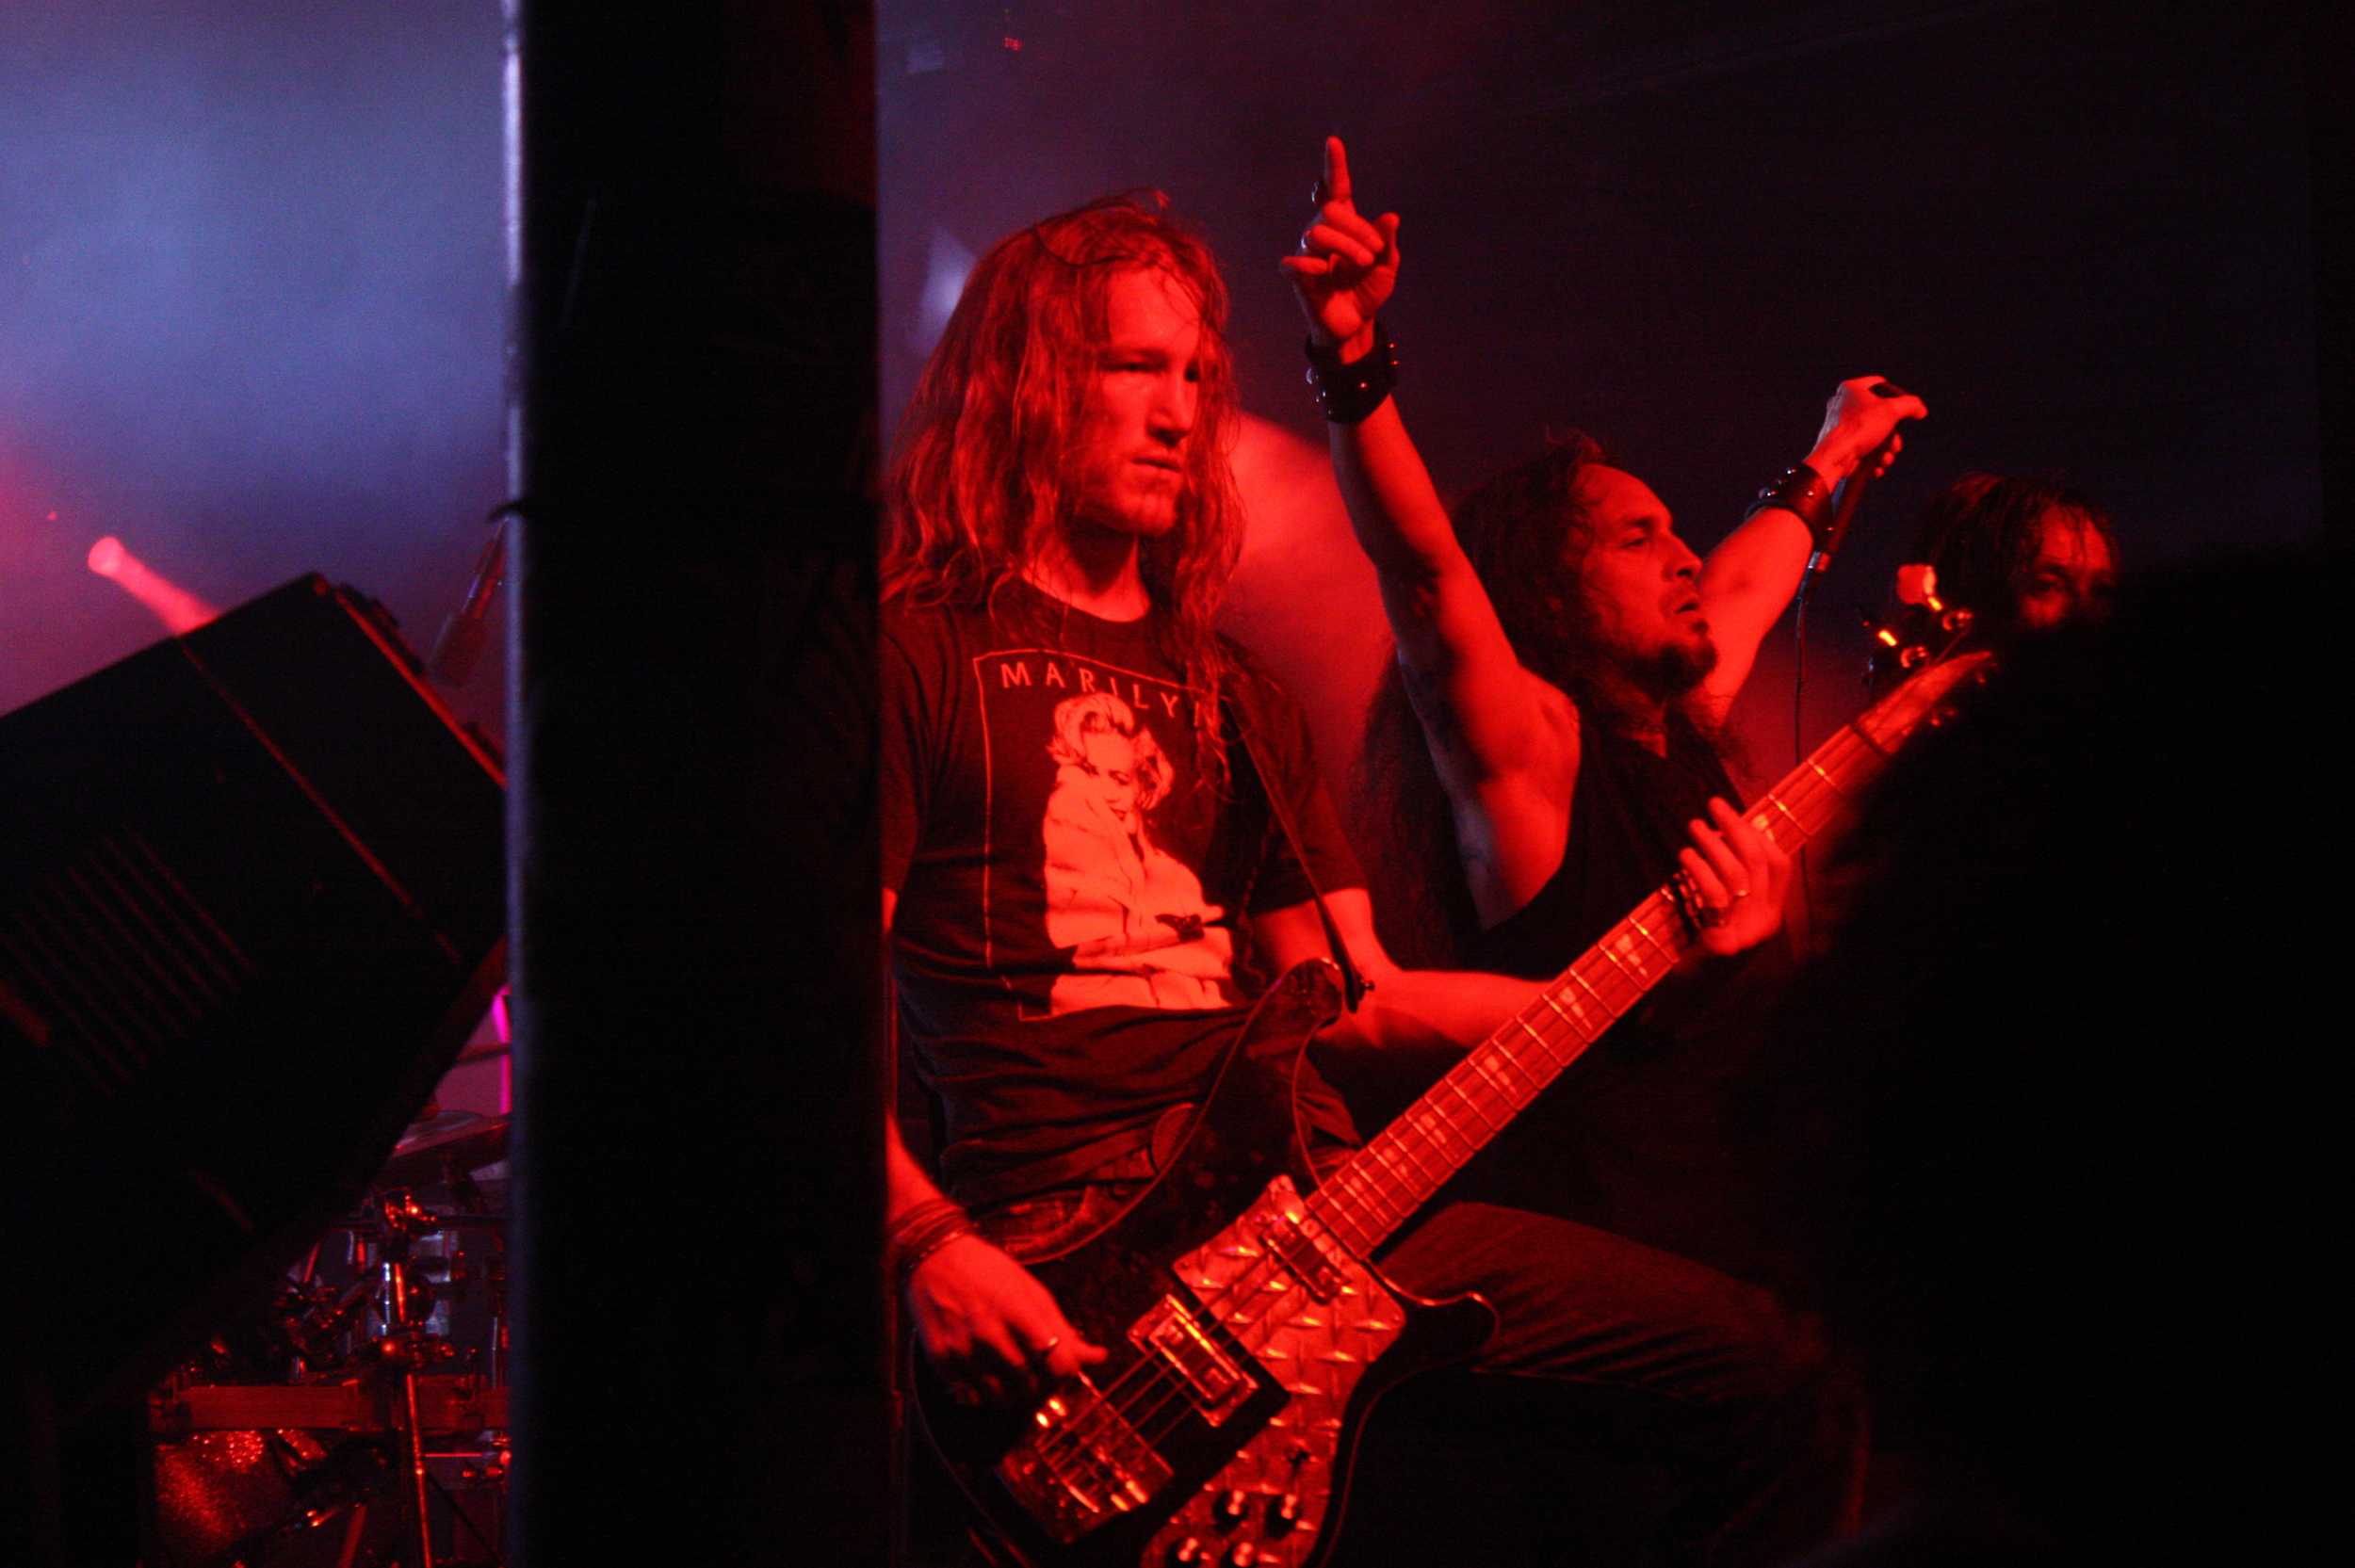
[252, 307]
[2081, 232]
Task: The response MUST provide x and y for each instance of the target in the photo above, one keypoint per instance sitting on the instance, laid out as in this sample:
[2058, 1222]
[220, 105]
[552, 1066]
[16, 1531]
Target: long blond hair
[984, 474]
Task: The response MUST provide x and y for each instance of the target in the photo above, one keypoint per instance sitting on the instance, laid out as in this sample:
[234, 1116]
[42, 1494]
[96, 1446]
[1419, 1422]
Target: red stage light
[178, 609]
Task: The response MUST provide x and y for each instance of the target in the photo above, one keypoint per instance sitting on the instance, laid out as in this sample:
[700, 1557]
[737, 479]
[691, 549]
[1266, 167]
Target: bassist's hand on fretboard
[1733, 882]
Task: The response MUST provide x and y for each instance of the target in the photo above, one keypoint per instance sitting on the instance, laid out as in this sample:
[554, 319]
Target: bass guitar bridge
[1084, 1464]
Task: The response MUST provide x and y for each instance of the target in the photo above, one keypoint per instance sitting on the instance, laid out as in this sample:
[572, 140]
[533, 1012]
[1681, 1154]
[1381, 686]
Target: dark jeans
[1649, 1354]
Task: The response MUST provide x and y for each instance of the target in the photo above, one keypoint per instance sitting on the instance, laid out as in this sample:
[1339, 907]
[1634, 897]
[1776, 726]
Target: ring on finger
[1705, 914]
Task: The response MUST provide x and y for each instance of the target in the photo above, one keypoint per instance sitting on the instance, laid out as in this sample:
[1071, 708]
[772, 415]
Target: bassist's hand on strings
[1732, 882]
[989, 1328]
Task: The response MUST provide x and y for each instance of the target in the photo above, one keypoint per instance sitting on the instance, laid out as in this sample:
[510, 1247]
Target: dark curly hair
[1527, 532]
[1982, 534]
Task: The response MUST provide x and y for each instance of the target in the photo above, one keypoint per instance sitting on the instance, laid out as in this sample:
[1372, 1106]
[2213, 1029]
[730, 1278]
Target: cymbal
[445, 1146]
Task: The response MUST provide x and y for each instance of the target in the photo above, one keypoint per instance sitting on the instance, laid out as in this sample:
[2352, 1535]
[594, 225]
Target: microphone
[458, 647]
[1851, 490]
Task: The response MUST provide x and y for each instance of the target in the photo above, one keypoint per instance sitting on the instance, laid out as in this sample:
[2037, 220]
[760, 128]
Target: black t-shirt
[1074, 880]
[1641, 1136]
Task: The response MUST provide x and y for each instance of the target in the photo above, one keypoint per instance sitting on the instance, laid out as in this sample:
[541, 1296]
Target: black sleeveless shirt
[1639, 1135]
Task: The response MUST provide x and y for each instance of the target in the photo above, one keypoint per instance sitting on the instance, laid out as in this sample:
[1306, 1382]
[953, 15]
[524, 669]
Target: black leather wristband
[1349, 392]
[1801, 489]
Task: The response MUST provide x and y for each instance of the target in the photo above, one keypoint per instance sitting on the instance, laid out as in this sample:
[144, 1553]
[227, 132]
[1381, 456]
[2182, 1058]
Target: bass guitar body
[1245, 1345]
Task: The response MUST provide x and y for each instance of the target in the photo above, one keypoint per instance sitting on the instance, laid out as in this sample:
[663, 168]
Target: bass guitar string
[1398, 1153]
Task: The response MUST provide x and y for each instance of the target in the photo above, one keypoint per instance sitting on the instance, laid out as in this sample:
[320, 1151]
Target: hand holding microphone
[1858, 444]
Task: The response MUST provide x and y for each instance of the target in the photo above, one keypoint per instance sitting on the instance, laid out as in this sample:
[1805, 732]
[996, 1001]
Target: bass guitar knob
[1283, 1512]
[1232, 1508]
[1187, 1553]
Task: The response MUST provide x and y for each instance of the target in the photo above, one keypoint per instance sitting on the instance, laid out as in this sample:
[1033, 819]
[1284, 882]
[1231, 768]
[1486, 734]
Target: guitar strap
[1354, 985]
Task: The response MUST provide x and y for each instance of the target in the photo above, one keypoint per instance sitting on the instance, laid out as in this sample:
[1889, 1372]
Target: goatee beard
[1669, 673]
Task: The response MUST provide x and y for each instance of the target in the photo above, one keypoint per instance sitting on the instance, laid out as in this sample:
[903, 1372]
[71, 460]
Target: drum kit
[360, 1420]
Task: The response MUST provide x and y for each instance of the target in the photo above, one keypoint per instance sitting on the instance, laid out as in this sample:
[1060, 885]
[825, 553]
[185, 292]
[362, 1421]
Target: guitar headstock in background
[1924, 629]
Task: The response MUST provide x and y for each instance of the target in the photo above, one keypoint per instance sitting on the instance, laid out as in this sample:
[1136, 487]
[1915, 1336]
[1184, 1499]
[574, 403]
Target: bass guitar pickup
[1173, 1336]
[1303, 1256]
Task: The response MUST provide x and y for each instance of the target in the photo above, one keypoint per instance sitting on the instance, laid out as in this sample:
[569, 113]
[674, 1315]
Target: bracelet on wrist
[1799, 490]
[916, 1235]
[1348, 392]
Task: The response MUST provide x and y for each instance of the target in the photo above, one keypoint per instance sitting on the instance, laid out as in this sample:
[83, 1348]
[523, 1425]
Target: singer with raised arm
[1544, 740]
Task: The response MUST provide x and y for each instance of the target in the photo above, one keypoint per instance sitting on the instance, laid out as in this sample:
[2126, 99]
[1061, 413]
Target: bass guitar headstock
[1922, 658]
[1924, 630]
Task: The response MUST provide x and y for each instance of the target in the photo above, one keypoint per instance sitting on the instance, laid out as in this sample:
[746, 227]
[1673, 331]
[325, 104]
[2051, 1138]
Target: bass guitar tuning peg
[1909, 654]
[1917, 583]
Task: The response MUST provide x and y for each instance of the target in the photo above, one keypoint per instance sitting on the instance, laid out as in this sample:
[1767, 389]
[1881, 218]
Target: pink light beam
[180, 611]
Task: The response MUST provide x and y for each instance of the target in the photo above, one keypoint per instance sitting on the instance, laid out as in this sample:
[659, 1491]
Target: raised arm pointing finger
[1346, 267]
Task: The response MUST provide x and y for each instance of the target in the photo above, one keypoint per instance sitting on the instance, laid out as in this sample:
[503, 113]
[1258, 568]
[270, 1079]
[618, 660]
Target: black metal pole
[699, 1356]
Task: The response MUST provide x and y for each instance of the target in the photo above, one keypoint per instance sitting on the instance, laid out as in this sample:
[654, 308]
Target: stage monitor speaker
[251, 903]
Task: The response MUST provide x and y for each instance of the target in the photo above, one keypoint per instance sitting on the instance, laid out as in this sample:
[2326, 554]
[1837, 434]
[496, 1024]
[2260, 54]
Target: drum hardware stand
[407, 1345]
[367, 1354]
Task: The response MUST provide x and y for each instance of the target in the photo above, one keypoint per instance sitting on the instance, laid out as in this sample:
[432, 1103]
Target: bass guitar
[1248, 1333]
